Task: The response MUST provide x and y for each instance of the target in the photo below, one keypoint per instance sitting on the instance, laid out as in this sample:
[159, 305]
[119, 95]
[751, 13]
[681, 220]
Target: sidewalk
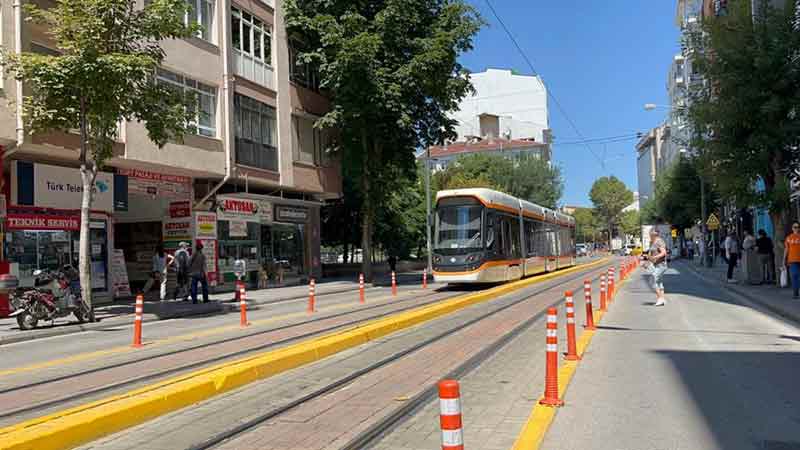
[777, 300]
[121, 312]
[708, 371]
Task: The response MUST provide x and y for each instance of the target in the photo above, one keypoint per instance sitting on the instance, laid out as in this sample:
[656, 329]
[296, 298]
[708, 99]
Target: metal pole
[704, 217]
[428, 207]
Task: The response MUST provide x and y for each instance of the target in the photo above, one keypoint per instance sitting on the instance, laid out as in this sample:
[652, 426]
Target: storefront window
[282, 252]
[52, 250]
[236, 246]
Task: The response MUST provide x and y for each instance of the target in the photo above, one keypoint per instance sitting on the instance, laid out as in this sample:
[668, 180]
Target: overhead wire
[549, 91]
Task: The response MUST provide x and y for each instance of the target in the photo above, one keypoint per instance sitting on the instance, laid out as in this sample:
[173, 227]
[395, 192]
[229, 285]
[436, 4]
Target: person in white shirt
[161, 262]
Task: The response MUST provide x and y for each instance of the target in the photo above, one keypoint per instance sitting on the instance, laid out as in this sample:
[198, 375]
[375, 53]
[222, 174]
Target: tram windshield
[458, 227]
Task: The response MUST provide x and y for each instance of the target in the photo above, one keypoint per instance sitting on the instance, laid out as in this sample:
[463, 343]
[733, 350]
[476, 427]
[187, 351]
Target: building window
[300, 72]
[309, 144]
[200, 98]
[201, 12]
[256, 136]
[251, 36]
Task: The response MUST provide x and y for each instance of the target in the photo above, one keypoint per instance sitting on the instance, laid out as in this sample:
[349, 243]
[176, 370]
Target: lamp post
[428, 207]
[703, 210]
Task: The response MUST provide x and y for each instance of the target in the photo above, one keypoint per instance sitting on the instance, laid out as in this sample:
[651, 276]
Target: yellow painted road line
[84, 423]
[83, 357]
[541, 416]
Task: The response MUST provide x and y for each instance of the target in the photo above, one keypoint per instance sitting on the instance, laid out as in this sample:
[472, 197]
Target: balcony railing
[254, 70]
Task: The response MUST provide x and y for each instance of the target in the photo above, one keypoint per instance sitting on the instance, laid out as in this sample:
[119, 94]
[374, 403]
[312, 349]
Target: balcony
[256, 71]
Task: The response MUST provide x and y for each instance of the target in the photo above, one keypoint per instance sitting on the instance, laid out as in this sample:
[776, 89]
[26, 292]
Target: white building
[520, 102]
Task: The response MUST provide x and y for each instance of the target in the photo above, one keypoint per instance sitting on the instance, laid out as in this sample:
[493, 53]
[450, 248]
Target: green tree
[610, 196]
[391, 70]
[104, 74]
[630, 223]
[675, 199]
[587, 226]
[746, 112]
[530, 179]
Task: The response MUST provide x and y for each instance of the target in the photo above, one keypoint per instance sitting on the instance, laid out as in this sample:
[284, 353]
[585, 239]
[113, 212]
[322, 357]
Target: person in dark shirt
[766, 256]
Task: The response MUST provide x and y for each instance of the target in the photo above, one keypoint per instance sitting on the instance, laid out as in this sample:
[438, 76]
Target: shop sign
[180, 209]
[237, 228]
[120, 286]
[211, 252]
[292, 214]
[42, 222]
[155, 184]
[206, 225]
[177, 229]
[62, 187]
[238, 208]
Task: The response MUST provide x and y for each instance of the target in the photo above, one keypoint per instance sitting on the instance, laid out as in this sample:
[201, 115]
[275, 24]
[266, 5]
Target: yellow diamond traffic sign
[713, 222]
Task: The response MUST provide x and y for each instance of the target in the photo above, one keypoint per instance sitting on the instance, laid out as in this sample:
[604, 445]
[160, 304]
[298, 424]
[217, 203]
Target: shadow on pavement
[741, 408]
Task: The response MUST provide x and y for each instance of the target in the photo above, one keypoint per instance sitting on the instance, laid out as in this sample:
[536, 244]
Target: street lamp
[703, 209]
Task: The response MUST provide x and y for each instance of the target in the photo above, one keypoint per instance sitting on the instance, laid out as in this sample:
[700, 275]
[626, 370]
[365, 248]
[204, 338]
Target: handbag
[784, 277]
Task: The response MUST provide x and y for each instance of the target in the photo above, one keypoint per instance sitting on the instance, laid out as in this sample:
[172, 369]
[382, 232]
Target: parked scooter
[55, 294]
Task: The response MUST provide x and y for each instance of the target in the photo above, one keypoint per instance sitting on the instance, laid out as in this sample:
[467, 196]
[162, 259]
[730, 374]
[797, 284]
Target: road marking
[174, 339]
[84, 423]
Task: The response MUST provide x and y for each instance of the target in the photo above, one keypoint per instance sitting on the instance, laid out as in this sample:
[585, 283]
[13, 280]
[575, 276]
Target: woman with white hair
[657, 256]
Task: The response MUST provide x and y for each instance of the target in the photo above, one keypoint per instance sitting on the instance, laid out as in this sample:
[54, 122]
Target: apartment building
[248, 180]
[650, 161]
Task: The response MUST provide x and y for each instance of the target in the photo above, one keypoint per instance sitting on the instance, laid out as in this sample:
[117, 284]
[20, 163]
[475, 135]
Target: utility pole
[703, 226]
[428, 207]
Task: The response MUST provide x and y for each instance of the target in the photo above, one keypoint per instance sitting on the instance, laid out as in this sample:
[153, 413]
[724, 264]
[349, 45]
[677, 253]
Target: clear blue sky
[603, 60]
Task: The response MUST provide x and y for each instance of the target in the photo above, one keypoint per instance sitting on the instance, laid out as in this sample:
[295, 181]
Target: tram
[485, 236]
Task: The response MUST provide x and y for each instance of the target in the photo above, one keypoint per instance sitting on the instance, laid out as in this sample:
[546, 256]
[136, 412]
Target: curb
[786, 313]
[84, 423]
[219, 306]
[541, 417]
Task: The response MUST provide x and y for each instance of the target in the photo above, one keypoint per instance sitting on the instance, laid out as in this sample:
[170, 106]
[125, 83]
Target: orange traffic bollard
[425, 278]
[137, 322]
[572, 351]
[603, 300]
[551, 370]
[450, 415]
[587, 295]
[243, 307]
[361, 298]
[394, 284]
[311, 296]
[610, 284]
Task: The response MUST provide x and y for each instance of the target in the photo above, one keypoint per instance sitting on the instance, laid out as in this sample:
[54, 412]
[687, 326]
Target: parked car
[582, 249]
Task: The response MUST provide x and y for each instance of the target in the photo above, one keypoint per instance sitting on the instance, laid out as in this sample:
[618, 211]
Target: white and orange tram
[485, 236]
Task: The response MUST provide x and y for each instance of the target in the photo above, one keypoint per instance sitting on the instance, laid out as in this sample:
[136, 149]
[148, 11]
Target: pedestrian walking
[750, 266]
[731, 247]
[657, 257]
[791, 258]
[766, 257]
[182, 272]
[158, 273]
[197, 270]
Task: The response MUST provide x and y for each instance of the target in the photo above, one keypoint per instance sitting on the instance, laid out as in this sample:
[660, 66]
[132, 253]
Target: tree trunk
[88, 175]
[366, 212]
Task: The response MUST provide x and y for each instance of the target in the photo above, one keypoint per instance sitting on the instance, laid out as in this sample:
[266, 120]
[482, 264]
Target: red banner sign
[180, 209]
[154, 176]
[42, 222]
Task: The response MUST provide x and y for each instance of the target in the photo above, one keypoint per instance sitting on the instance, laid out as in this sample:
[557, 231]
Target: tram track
[382, 426]
[77, 397]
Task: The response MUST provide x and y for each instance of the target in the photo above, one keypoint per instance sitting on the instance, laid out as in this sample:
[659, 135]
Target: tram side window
[542, 246]
[491, 232]
[516, 248]
[530, 238]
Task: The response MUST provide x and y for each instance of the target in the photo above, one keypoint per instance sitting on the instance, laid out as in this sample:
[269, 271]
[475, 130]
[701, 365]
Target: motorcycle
[55, 294]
